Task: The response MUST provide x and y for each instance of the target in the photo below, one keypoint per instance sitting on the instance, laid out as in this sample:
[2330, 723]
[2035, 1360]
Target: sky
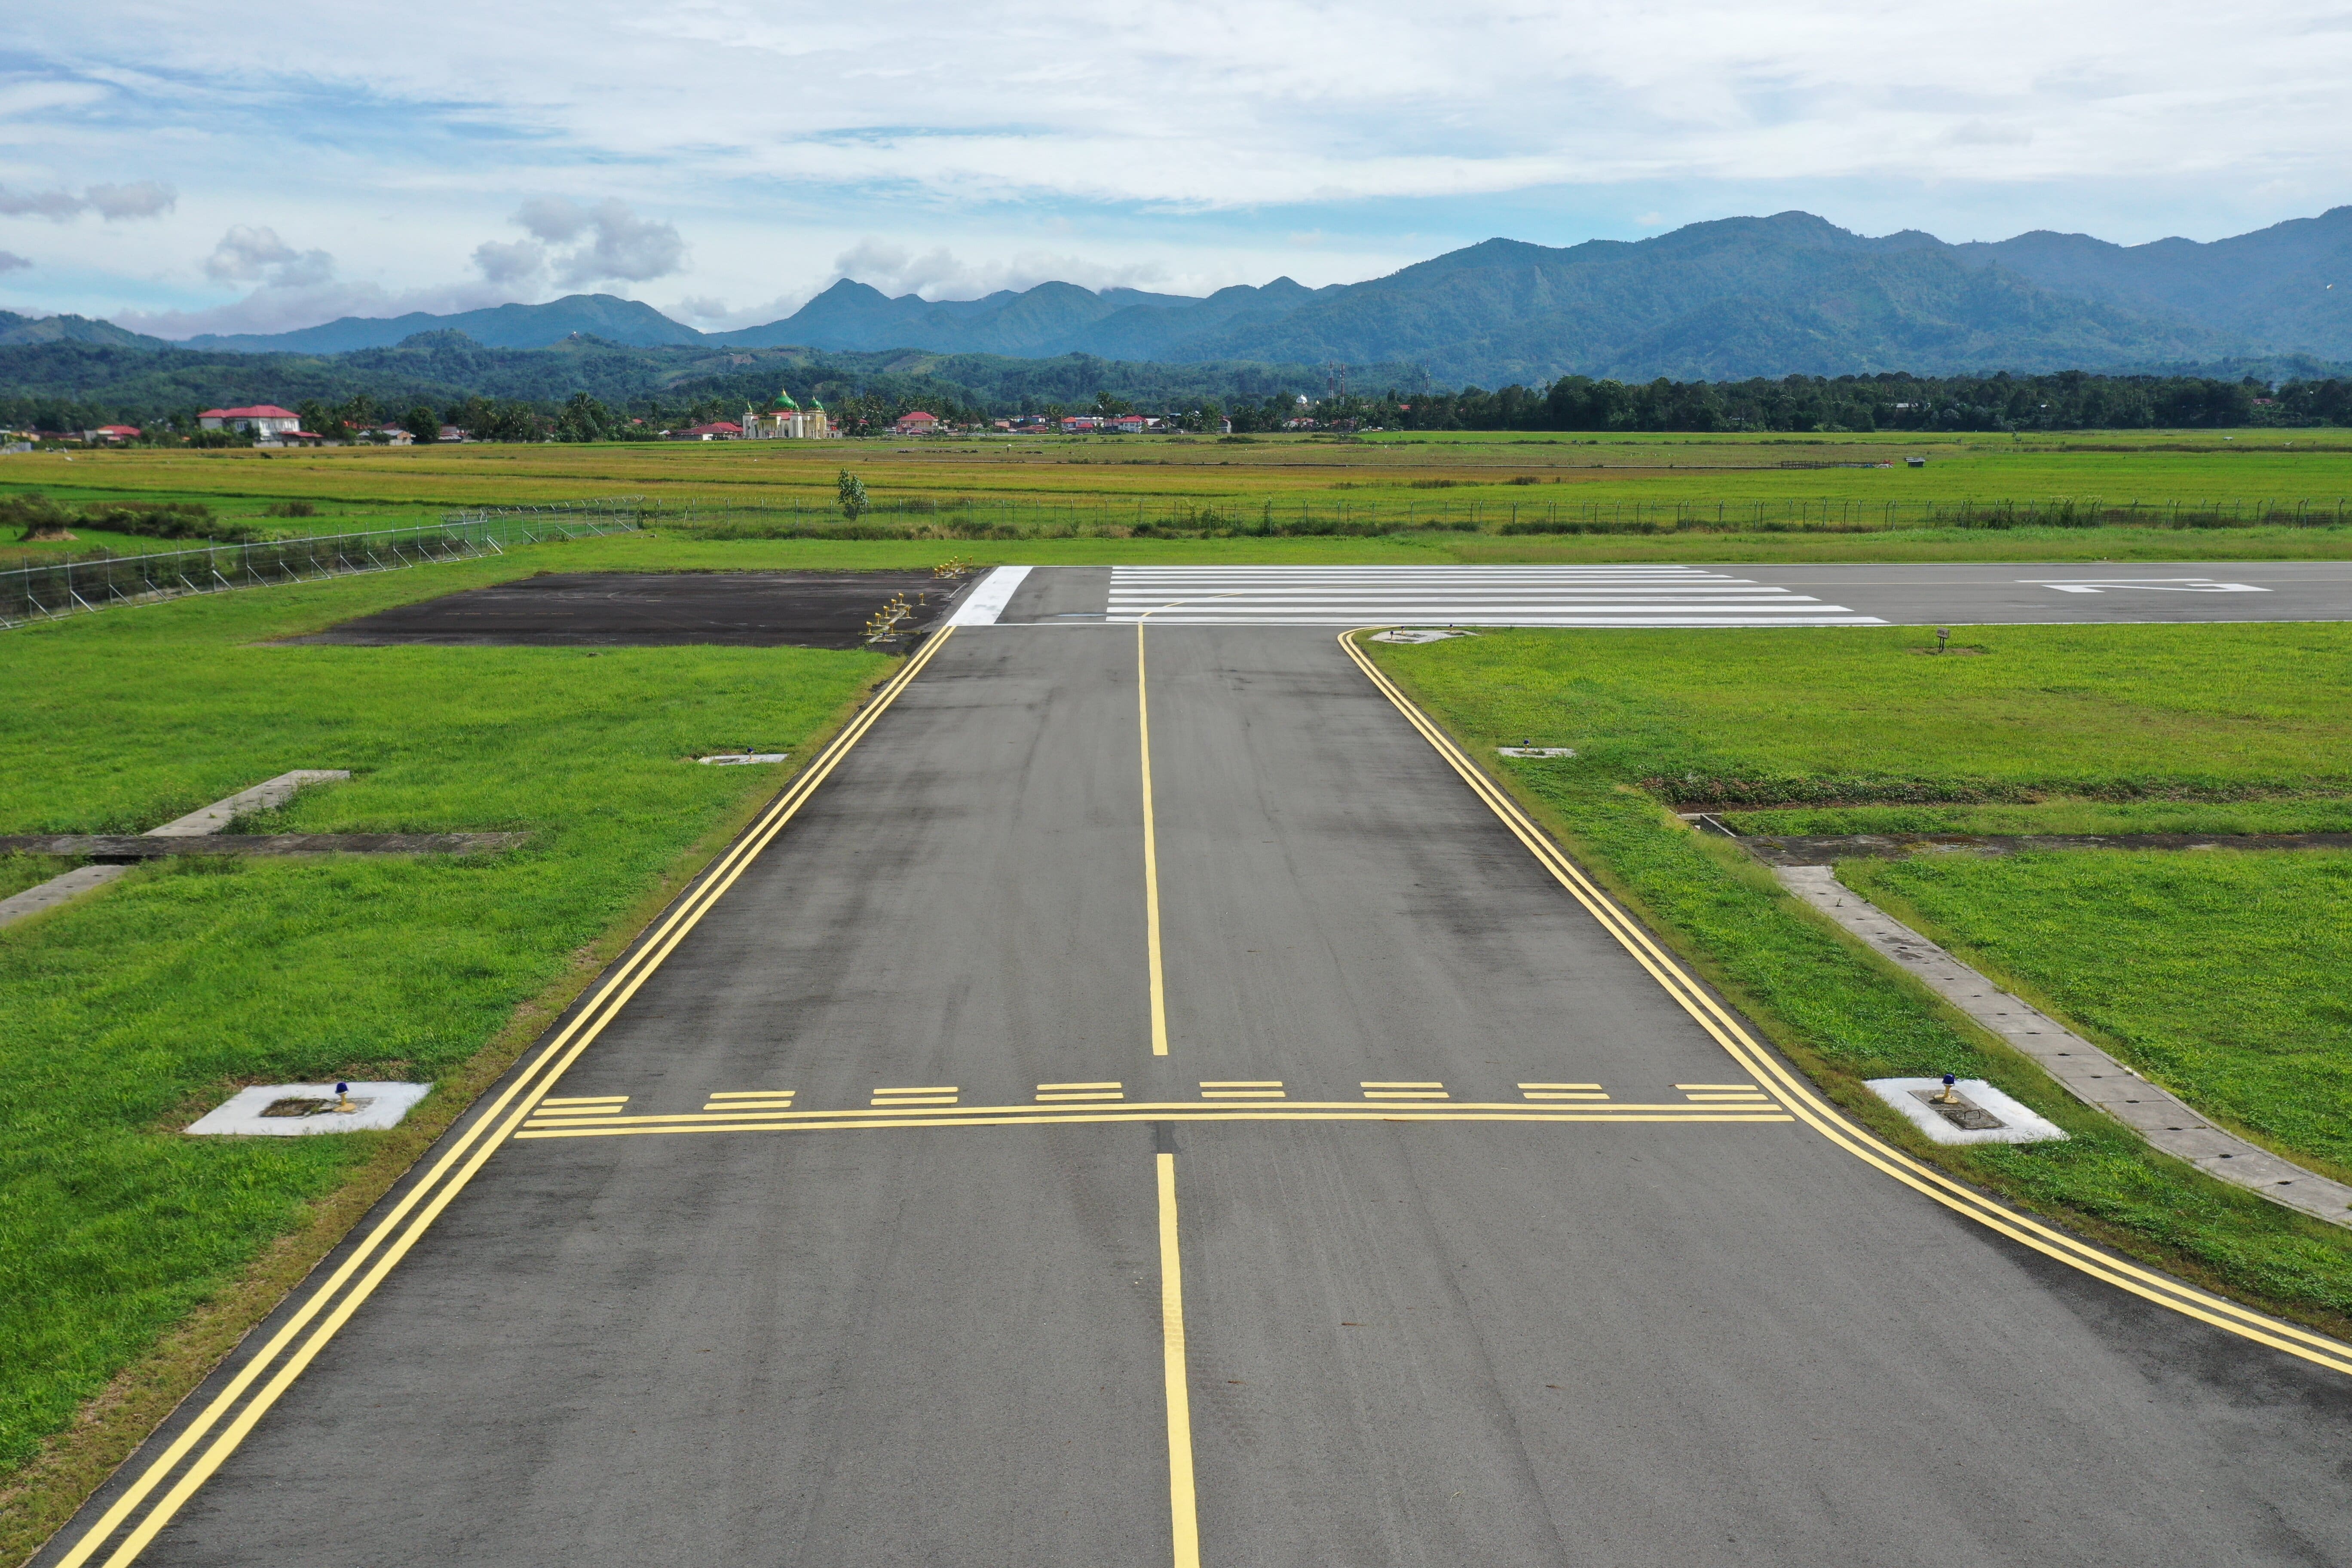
[181, 169]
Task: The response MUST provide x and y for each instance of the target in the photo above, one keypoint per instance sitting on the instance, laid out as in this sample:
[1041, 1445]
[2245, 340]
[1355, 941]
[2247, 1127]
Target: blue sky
[184, 171]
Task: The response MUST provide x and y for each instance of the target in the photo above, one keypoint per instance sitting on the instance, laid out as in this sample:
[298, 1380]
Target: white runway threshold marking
[989, 598]
[1626, 595]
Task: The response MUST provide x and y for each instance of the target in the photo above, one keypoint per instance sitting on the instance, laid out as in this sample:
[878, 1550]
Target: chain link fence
[53, 589]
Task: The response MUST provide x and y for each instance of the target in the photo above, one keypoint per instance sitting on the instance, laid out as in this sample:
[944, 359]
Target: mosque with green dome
[787, 421]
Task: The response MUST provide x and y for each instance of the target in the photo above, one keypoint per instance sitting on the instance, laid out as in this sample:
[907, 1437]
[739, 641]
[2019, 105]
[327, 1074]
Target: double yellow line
[1799, 1095]
[328, 1308]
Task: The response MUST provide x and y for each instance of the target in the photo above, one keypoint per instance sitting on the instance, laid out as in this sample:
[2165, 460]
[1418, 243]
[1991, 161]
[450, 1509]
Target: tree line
[2066, 400]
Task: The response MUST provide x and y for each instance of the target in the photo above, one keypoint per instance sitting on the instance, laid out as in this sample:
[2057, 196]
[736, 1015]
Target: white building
[264, 420]
[787, 421]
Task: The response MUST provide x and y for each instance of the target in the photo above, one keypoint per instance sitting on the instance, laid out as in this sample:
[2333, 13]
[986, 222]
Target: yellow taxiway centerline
[1183, 1506]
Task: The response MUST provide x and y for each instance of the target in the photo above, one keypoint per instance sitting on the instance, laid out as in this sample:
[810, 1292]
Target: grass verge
[131, 1256]
[2100, 710]
[2207, 972]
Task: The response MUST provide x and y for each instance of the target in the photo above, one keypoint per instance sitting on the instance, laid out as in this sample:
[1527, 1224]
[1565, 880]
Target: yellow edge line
[456, 1166]
[1220, 1113]
[1818, 1112]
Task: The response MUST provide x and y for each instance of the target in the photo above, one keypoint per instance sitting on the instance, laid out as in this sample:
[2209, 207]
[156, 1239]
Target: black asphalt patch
[654, 609]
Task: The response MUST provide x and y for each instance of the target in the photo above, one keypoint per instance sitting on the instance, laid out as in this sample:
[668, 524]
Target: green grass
[1854, 714]
[2124, 712]
[126, 1013]
[1714, 486]
[2321, 814]
[2214, 973]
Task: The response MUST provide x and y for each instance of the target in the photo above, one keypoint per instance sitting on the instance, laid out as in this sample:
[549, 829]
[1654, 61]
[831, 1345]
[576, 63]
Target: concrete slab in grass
[307, 1108]
[2089, 1073]
[1985, 1115]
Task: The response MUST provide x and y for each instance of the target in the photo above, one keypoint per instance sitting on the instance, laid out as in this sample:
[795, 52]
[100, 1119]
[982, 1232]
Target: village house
[111, 435]
[722, 430]
[916, 423]
[263, 420]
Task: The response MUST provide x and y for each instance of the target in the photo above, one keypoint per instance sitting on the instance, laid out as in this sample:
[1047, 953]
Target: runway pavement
[1667, 595]
[869, 1229]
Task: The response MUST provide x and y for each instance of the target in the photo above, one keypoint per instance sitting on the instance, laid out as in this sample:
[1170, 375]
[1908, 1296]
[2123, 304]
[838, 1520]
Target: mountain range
[1789, 294]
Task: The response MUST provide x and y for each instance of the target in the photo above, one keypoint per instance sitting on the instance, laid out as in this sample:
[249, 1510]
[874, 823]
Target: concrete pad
[742, 759]
[1420, 635]
[2016, 1124]
[263, 796]
[57, 890]
[1536, 751]
[380, 1106]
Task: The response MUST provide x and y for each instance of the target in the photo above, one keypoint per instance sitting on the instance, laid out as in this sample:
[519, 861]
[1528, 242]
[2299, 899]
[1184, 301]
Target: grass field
[123, 1015]
[2051, 718]
[1483, 481]
[2214, 973]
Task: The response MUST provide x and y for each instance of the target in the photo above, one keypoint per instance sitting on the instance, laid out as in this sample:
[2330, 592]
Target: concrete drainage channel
[2084, 1070]
[199, 832]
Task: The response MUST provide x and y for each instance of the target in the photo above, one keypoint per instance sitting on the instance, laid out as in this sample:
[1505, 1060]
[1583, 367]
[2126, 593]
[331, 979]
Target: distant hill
[2288, 287]
[617, 320]
[1789, 294]
[1050, 319]
[62, 384]
[16, 329]
[1739, 297]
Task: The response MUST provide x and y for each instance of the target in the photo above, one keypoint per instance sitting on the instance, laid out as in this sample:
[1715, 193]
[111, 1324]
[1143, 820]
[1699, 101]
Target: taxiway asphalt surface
[1697, 1335]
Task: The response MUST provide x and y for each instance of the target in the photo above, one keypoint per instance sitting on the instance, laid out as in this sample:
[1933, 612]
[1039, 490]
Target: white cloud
[608, 240]
[141, 198]
[987, 147]
[519, 261]
[55, 205]
[248, 255]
